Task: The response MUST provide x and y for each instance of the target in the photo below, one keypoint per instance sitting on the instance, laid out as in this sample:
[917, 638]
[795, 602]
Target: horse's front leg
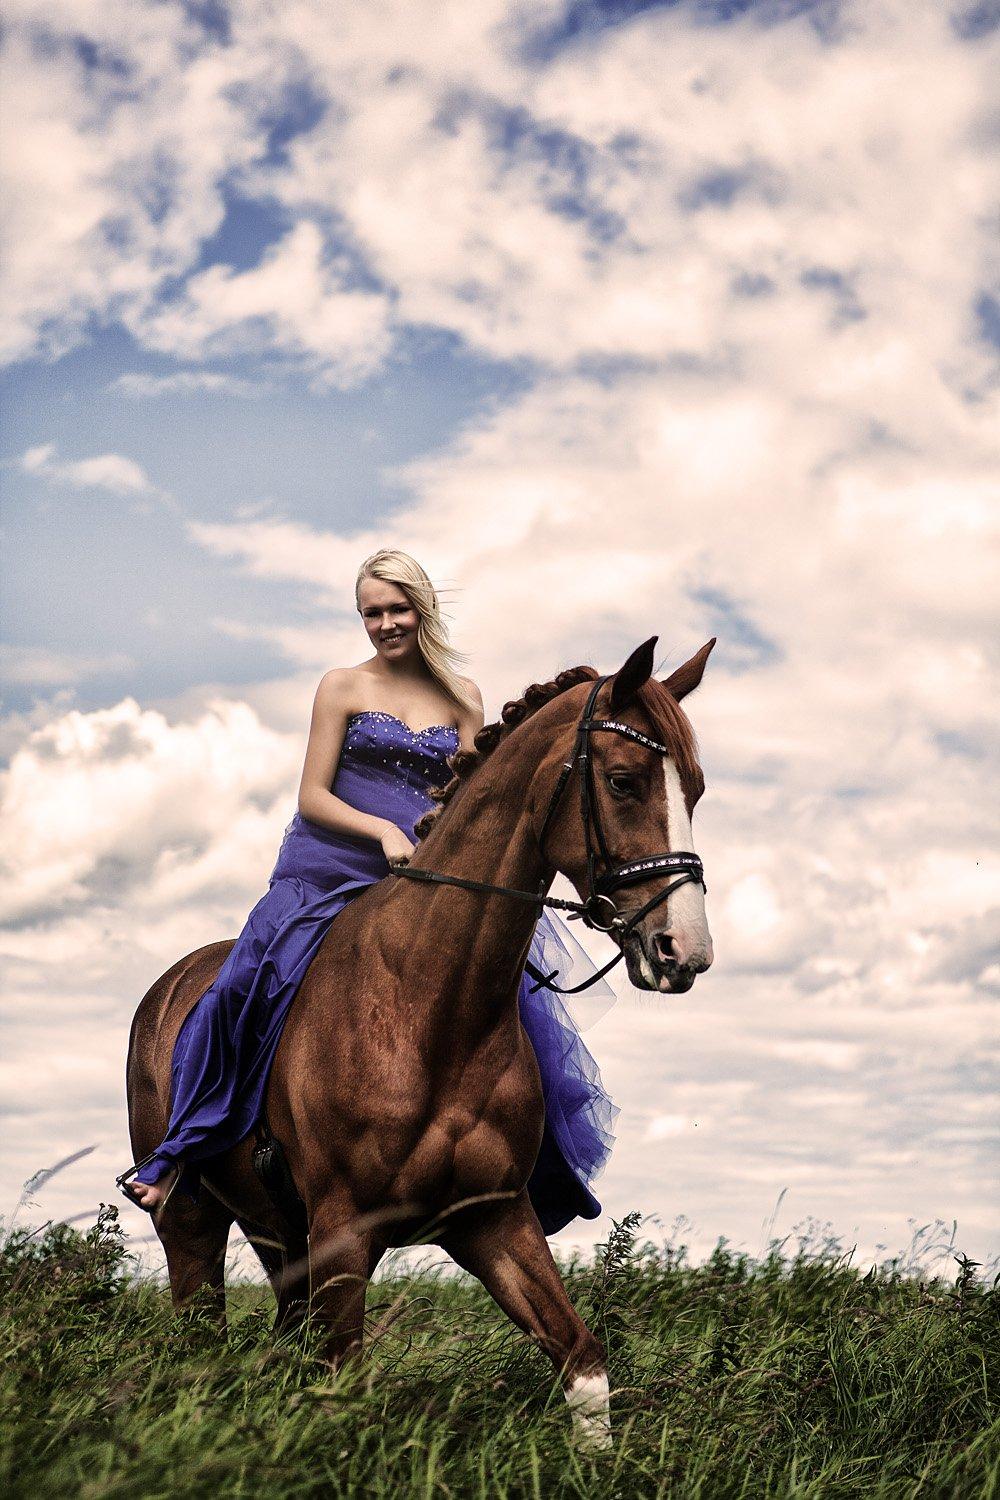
[194, 1237]
[342, 1257]
[511, 1257]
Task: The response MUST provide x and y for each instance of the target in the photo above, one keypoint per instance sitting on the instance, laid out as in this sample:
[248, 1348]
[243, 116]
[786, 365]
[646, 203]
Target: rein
[599, 911]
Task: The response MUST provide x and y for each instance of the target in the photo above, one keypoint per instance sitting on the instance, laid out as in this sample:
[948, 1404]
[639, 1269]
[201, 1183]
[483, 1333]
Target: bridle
[599, 910]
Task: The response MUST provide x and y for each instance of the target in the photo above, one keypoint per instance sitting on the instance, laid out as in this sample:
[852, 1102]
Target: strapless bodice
[381, 745]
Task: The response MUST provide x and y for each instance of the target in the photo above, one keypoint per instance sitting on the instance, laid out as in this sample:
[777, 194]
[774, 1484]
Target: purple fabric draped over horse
[223, 1054]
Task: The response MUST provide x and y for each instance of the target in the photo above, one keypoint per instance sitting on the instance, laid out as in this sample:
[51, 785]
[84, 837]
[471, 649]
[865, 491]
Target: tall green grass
[792, 1376]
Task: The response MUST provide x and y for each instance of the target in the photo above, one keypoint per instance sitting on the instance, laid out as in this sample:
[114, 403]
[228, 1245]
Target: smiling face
[389, 618]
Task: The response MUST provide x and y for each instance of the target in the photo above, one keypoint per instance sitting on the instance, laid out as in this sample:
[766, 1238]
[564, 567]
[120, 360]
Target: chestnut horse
[404, 1090]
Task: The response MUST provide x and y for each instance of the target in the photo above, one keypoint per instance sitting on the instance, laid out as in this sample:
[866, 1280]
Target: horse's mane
[670, 723]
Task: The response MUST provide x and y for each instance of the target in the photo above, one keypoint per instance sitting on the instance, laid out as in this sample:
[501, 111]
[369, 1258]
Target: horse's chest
[478, 1136]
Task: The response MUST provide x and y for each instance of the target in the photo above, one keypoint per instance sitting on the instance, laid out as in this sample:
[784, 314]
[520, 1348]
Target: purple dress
[227, 1043]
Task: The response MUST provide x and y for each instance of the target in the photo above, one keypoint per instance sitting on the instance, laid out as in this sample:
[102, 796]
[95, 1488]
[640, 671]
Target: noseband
[599, 910]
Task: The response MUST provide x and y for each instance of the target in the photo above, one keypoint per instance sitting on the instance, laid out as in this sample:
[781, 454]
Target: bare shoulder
[338, 690]
[470, 721]
[473, 689]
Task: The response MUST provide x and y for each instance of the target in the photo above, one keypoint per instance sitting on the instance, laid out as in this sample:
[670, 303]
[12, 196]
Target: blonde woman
[378, 744]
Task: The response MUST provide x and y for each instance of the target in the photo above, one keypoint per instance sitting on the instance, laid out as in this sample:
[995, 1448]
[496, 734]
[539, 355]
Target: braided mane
[669, 721]
[464, 762]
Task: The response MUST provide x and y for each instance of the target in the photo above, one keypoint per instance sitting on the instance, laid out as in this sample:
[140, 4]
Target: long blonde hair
[392, 566]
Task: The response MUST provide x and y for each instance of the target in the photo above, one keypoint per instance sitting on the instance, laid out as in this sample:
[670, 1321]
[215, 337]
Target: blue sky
[623, 318]
[122, 576]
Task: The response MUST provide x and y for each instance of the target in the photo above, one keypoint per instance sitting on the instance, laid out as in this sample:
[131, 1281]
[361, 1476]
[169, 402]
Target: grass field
[793, 1376]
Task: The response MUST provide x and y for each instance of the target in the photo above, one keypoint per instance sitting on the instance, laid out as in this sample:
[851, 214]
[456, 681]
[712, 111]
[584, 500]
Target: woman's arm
[471, 722]
[326, 739]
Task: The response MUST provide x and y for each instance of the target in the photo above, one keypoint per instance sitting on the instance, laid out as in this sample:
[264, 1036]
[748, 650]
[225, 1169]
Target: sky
[625, 318]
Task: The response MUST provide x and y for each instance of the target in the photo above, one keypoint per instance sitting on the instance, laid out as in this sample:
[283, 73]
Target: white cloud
[618, 201]
[187, 383]
[129, 839]
[283, 549]
[120, 804]
[610, 202]
[43, 668]
[116, 179]
[293, 301]
[105, 471]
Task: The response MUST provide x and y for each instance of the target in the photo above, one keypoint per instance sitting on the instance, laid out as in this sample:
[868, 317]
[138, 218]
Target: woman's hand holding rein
[396, 847]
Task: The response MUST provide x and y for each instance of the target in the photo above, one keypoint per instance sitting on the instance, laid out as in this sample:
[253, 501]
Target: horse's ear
[630, 678]
[687, 677]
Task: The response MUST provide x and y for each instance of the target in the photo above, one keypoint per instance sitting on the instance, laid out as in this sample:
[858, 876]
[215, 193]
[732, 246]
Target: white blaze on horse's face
[688, 920]
[677, 943]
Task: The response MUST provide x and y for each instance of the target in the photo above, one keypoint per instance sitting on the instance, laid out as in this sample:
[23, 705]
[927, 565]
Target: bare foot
[150, 1195]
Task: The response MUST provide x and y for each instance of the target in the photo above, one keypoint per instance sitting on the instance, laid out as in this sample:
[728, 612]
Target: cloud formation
[293, 302]
[105, 471]
[652, 190]
[122, 804]
[139, 385]
[42, 668]
[125, 130]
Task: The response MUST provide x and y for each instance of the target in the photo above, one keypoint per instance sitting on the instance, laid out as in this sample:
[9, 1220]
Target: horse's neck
[485, 834]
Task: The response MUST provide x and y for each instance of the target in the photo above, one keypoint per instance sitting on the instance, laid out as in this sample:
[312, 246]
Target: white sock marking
[588, 1398]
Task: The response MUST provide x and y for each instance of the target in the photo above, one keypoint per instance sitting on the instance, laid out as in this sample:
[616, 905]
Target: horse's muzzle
[667, 961]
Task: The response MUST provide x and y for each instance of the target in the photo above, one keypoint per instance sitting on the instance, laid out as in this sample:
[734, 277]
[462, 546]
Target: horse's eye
[623, 786]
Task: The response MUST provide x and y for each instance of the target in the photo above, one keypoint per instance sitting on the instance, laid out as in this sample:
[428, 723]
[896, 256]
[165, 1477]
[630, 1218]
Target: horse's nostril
[663, 943]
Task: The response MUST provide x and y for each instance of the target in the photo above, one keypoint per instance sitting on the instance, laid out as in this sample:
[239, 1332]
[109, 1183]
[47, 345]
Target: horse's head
[638, 803]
